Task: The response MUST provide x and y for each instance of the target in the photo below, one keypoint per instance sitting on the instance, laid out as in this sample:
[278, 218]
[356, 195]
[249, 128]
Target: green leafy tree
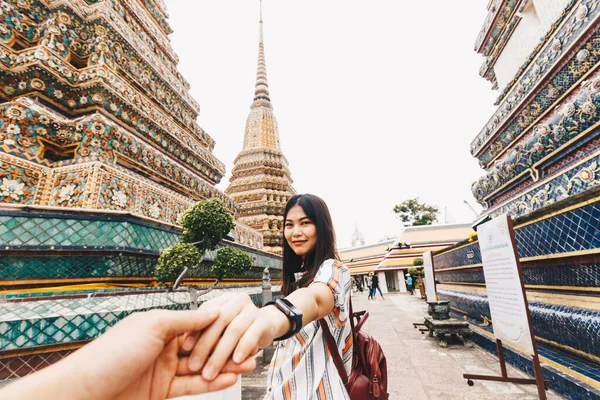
[231, 261]
[174, 260]
[417, 262]
[206, 224]
[412, 212]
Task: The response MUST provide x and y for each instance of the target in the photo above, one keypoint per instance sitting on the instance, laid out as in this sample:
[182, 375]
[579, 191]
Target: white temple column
[401, 282]
[382, 282]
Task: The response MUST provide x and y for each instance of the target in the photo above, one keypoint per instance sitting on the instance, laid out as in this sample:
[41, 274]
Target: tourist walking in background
[376, 287]
[317, 286]
[370, 286]
[359, 283]
[409, 283]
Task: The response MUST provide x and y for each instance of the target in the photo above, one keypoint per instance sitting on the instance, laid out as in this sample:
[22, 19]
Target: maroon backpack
[368, 375]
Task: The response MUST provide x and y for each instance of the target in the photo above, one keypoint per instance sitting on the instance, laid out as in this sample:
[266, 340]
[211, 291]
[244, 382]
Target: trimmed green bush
[207, 222]
[231, 261]
[173, 261]
[417, 261]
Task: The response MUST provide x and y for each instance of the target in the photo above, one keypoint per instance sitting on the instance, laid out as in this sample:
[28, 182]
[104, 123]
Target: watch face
[290, 307]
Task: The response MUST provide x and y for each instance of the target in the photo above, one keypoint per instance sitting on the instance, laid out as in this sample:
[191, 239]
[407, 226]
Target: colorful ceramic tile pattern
[541, 154]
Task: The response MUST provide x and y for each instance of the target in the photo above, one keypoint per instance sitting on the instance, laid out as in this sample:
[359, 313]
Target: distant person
[370, 286]
[376, 287]
[359, 284]
[409, 284]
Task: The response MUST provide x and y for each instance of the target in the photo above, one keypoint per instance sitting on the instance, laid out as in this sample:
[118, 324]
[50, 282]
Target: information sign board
[505, 292]
[429, 277]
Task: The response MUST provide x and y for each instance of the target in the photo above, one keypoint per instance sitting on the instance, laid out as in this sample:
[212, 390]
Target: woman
[317, 286]
[370, 285]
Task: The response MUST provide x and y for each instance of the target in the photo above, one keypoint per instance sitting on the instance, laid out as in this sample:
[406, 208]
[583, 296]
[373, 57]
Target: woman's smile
[299, 231]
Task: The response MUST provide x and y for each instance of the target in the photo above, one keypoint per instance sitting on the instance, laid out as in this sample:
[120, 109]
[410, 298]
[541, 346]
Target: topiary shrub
[230, 261]
[417, 261]
[206, 224]
[173, 261]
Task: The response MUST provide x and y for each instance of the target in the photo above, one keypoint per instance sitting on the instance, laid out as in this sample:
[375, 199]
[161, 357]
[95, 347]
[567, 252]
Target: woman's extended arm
[245, 329]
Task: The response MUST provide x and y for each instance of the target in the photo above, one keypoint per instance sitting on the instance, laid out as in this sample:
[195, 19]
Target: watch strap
[294, 315]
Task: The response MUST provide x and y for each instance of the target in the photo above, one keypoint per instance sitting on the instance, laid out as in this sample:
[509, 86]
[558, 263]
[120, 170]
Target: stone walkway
[417, 367]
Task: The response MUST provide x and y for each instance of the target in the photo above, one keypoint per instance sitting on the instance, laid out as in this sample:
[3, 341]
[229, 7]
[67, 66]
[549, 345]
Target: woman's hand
[138, 358]
[241, 329]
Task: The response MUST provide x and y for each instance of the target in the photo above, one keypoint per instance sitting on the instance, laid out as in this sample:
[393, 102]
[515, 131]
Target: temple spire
[261, 90]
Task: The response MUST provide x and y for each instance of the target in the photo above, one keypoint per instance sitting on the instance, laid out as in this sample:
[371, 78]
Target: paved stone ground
[417, 367]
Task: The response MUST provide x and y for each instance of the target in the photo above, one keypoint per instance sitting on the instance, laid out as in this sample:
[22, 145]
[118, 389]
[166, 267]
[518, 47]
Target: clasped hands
[162, 354]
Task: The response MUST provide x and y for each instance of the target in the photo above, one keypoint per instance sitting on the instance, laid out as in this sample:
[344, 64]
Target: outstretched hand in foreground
[139, 358]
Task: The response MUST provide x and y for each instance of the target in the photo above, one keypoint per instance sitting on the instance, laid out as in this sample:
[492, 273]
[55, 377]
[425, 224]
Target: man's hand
[139, 358]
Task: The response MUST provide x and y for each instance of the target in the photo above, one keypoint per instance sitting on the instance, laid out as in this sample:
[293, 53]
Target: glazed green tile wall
[49, 322]
[74, 267]
[41, 232]
[19, 334]
[53, 267]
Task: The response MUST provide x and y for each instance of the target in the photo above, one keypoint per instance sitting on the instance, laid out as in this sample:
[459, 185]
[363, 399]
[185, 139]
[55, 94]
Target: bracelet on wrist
[293, 314]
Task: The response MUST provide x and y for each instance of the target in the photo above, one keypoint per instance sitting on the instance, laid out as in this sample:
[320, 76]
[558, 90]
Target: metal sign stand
[542, 385]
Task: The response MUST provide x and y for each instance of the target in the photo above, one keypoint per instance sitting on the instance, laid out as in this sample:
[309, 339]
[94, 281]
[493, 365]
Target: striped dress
[302, 367]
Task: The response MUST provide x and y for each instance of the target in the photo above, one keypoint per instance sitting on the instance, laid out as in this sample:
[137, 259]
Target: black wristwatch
[293, 314]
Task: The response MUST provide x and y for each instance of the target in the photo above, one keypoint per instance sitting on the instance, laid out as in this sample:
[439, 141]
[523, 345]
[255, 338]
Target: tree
[174, 260]
[412, 212]
[417, 262]
[206, 223]
[230, 262]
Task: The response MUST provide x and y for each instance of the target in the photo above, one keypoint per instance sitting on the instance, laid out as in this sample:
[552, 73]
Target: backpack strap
[333, 350]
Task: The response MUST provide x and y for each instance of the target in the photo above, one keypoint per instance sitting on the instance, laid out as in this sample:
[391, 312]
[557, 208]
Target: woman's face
[300, 232]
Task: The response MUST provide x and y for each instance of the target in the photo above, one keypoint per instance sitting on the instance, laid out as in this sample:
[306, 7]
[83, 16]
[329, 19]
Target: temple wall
[541, 154]
[536, 19]
[100, 154]
[559, 250]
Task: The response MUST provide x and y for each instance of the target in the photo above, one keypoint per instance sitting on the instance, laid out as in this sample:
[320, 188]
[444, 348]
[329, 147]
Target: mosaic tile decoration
[569, 326]
[121, 266]
[560, 381]
[72, 267]
[50, 322]
[19, 231]
[554, 52]
[574, 230]
[578, 275]
[461, 256]
[19, 366]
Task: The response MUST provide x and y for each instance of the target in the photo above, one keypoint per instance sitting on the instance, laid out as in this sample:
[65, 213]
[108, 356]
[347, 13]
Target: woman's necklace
[298, 275]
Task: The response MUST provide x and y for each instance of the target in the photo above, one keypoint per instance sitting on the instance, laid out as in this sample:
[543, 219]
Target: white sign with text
[504, 287]
[429, 278]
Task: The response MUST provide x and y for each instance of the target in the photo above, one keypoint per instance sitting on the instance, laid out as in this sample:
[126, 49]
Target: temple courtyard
[418, 368]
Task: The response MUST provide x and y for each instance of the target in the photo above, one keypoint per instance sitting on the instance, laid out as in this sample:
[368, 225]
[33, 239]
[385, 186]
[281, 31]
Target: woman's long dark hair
[316, 210]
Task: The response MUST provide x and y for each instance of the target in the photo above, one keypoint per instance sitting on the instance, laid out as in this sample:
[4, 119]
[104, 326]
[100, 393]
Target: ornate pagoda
[260, 180]
[541, 154]
[100, 154]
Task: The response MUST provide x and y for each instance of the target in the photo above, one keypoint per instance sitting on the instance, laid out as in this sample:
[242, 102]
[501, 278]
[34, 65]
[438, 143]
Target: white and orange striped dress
[302, 367]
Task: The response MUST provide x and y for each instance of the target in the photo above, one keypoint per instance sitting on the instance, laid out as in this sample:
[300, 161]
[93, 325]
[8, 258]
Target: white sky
[377, 101]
